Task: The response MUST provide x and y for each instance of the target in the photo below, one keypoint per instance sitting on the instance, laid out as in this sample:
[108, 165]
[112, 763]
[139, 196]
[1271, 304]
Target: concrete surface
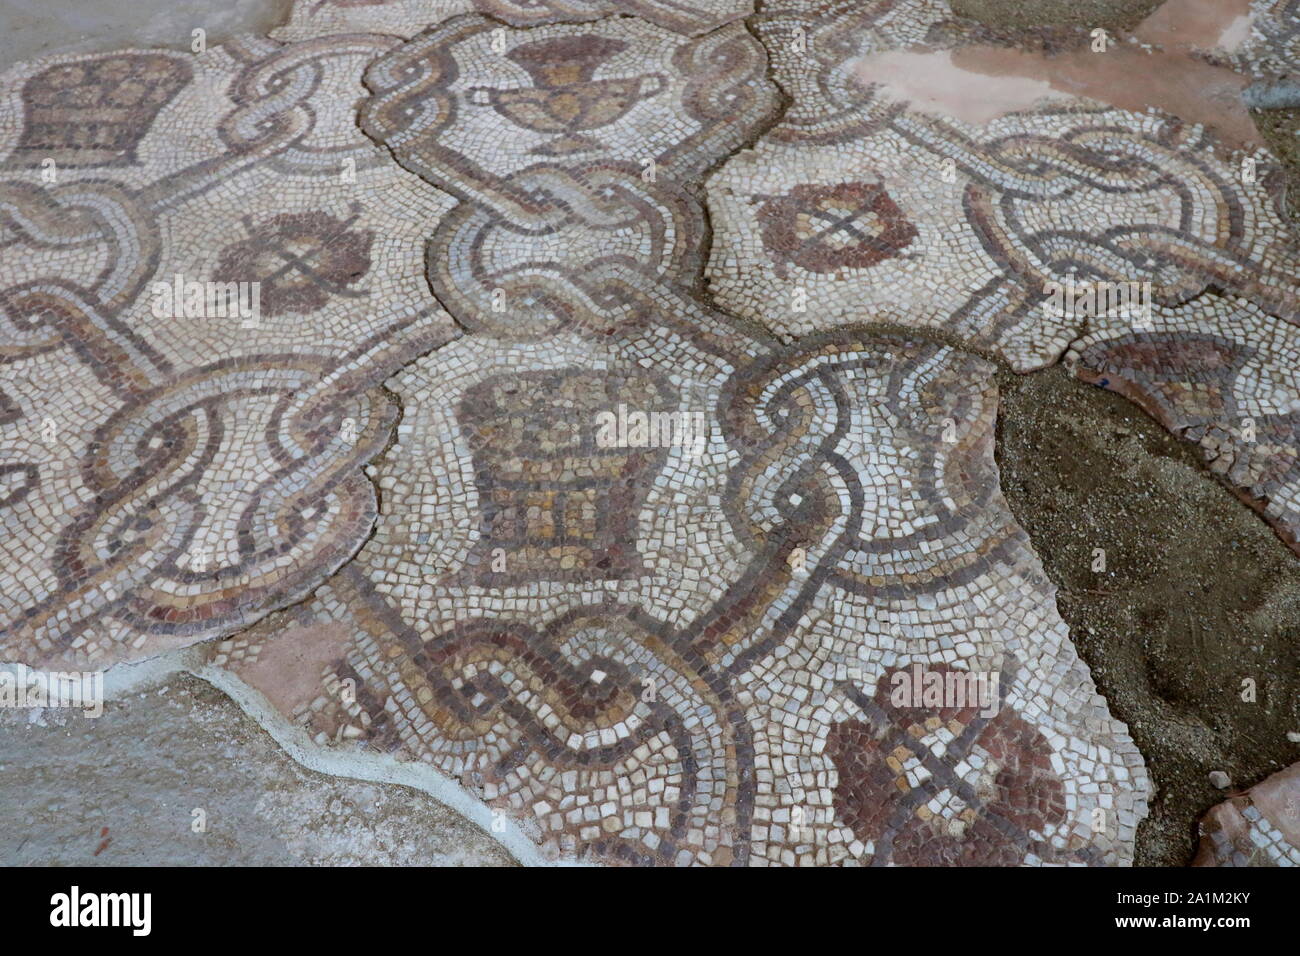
[121, 790]
[30, 28]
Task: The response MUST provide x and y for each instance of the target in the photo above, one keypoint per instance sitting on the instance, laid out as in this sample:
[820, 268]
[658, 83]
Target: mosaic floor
[597, 402]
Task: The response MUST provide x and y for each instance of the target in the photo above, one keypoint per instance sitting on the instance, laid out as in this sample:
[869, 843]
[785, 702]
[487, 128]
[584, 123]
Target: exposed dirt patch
[121, 790]
[1112, 15]
[38, 27]
[1280, 130]
[1198, 594]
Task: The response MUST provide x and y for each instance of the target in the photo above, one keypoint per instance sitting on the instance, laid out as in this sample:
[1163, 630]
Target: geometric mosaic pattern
[614, 430]
[917, 223]
[784, 571]
[856, 206]
[607, 123]
[630, 678]
[171, 474]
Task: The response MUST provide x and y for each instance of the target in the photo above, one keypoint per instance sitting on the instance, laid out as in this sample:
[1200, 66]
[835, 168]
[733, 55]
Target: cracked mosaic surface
[484, 229]
[606, 126]
[677, 710]
[172, 476]
[641, 653]
[862, 206]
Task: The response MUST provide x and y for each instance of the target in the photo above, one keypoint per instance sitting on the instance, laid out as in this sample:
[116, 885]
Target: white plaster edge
[373, 767]
[125, 679]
